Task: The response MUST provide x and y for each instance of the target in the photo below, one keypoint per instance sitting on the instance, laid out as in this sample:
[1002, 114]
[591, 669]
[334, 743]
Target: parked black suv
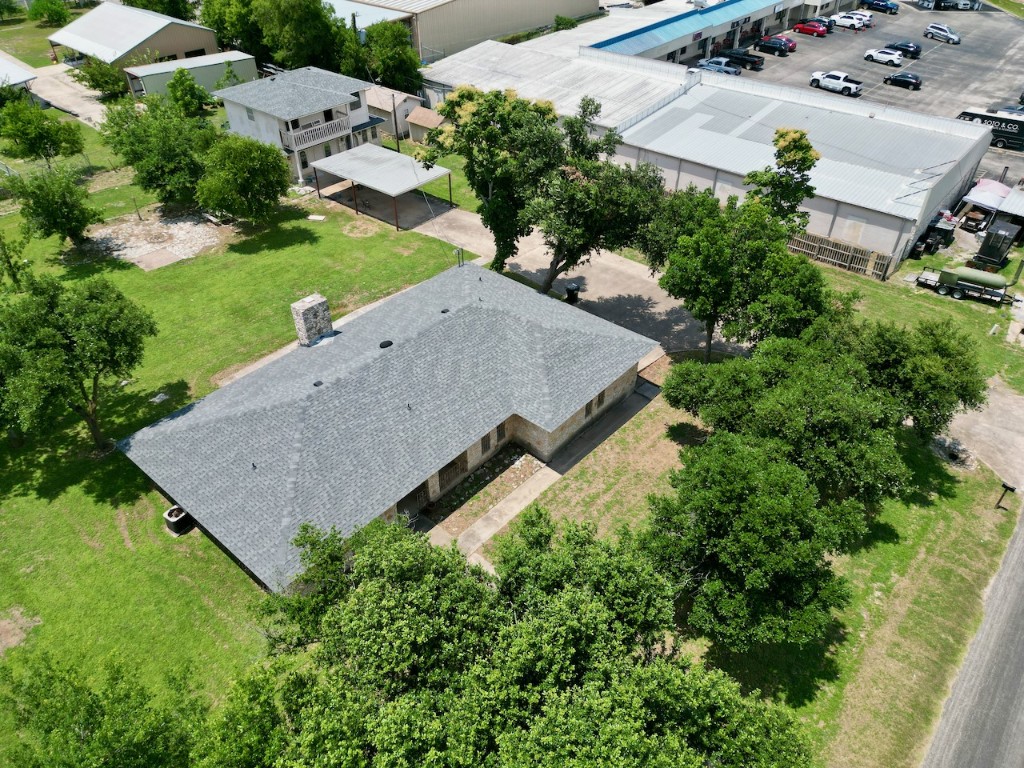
[908, 49]
[772, 46]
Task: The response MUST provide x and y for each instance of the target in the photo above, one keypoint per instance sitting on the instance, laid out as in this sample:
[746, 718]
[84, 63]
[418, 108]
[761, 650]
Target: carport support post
[316, 179]
[355, 196]
[394, 200]
[450, 203]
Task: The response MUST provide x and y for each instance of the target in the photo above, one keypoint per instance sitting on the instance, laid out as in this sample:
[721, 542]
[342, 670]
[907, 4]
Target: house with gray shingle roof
[387, 414]
[307, 113]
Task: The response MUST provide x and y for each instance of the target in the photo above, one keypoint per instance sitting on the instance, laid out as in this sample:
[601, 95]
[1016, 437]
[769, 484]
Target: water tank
[979, 277]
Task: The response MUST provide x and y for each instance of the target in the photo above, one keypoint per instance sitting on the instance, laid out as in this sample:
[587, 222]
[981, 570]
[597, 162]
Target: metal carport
[381, 170]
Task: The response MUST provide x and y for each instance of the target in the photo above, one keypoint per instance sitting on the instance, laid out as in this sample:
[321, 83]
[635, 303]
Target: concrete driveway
[982, 724]
[55, 84]
[612, 287]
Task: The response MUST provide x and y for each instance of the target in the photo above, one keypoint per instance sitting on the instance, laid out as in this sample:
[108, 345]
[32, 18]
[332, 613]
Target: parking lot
[985, 70]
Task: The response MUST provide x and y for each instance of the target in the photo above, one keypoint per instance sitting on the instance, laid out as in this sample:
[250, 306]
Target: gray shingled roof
[384, 420]
[296, 93]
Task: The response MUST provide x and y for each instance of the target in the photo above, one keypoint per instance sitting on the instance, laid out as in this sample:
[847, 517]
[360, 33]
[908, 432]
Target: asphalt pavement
[982, 724]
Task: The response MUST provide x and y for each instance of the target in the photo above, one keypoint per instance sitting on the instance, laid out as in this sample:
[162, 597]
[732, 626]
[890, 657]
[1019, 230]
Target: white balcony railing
[316, 135]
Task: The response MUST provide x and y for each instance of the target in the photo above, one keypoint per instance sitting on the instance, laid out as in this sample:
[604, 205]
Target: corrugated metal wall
[173, 40]
[462, 24]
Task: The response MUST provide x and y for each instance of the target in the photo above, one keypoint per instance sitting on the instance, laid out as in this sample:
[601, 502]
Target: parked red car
[815, 28]
[790, 42]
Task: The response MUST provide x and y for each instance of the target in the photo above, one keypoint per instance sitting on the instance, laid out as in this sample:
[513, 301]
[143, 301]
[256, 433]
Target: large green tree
[678, 214]
[745, 538]
[236, 26]
[61, 346]
[53, 203]
[299, 33]
[785, 187]
[179, 9]
[9, 8]
[416, 658]
[390, 57]
[243, 177]
[187, 95]
[108, 79]
[13, 269]
[509, 145]
[31, 132]
[588, 202]
[164, 146]
[53, 13]
[735, 271]
[65, 720]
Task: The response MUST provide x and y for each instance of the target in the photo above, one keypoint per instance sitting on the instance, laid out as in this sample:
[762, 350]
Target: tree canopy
[785, 187]
[60, 346]
[298, 33]
[53, 13]
[179, 9]
[735, 270]
[588, 202]
[187, 95]
[236, 26]
[32, 132]
[390, 57]
[53, 203]
[243, 177]
[509, 145]
[163, 145]
[106, 78]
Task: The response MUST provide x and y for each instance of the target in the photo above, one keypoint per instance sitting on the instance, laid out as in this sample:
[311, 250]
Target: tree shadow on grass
[274, 235]
[784, 672]
[930, 476]
[685, 434]
[47, 466]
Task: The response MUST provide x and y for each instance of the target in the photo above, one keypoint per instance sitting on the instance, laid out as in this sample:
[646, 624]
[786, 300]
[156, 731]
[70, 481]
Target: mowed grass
[898, 301]
[82, 541]
[26, 40]
[462, 194]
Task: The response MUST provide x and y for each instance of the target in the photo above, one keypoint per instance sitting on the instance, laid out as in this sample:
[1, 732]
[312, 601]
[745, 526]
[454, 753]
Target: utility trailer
[964, 281]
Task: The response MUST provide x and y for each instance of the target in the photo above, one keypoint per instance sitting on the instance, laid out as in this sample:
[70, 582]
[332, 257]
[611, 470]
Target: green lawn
[902, 302]
[82, 541]
[26, 40]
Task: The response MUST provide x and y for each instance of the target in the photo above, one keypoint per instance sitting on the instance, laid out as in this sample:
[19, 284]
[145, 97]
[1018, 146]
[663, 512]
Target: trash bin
[572, 293]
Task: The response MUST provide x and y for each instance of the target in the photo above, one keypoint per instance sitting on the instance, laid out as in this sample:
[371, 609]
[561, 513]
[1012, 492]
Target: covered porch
[371, 179]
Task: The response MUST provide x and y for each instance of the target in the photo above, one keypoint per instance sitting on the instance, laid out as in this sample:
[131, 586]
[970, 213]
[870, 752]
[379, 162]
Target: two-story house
[308, 113]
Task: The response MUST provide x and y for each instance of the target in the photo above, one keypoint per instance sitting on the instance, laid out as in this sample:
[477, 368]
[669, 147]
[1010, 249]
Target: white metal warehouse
[883, 173]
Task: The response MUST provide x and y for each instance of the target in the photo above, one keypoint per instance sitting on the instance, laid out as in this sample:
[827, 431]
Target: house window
[303, 161]
[358, 101]
[249, 113]
[295, 124]
[485, 443]
[348, 142]
[196, 52]
[327, 149]
[589, 410]
[328, 115]
[501, 432]
[172, 57]
[600, 400]
[373, 132]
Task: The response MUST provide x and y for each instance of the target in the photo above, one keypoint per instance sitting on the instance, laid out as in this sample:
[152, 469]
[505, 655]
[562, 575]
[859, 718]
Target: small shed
[421, 120]
[150, 79]
[393, 106]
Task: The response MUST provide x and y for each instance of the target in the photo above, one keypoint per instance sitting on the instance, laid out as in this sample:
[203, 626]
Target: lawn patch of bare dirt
[14, 628]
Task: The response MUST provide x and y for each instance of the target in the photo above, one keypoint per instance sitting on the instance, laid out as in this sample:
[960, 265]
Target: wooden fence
[852, 258]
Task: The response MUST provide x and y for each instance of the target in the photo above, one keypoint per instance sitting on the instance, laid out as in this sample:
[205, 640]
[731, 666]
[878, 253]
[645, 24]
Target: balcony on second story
[316, 134]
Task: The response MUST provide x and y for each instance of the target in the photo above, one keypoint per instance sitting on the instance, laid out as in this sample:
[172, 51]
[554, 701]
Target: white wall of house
[252, 123]
[403, 107]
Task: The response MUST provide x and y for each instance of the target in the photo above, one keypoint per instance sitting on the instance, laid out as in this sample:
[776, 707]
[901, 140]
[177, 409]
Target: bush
[100, 76]
[564, 22]
[53, 13]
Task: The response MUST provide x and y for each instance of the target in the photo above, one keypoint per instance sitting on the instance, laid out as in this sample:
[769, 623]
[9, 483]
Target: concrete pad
[995, 434]
[56, 86]
[155, 259]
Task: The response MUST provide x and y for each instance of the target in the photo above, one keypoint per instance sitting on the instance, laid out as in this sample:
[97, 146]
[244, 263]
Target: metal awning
[382, 170]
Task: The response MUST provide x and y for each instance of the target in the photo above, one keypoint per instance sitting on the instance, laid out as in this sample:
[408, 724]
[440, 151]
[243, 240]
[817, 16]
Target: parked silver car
[943, 33]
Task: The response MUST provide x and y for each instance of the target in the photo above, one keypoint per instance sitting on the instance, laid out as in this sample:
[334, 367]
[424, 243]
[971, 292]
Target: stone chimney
[312, 319]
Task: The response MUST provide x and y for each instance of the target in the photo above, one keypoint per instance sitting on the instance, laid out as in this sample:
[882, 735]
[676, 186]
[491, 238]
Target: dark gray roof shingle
[296, 93]
[383, 420]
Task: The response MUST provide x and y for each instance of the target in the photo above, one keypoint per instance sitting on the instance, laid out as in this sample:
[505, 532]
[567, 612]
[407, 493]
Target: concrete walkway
[472, 540]
[54, 83]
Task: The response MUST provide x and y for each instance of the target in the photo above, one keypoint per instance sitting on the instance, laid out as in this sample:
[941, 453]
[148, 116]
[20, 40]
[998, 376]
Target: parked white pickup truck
[718, 64]
[840, 82]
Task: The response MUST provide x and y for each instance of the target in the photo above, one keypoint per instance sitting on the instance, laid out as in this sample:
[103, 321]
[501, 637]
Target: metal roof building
[884, 172]
[339, 433]
[115, 33]
[15, 74]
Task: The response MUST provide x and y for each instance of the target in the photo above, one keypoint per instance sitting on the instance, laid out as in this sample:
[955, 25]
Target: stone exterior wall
[544, 444]
[312, 317]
